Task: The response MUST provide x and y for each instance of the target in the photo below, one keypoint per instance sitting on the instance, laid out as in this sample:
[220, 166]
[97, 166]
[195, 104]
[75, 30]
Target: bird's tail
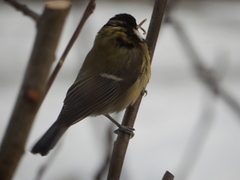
[49, 139]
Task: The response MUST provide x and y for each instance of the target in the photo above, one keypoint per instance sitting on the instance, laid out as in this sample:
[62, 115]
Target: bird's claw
[126, 129]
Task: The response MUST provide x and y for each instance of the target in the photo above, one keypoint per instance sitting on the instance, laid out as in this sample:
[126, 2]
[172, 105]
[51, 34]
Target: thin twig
[24, 9]
[198, 137]
[212, 82]
[121, 144]
[30, 97]
[88, 11]
[109, 140]
[44, 167]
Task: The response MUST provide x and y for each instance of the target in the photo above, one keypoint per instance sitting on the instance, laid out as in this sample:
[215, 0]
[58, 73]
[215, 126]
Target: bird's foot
[144, 92]
[125, 129]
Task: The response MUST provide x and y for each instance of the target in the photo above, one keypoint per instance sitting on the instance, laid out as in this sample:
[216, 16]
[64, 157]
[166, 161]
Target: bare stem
[121, 144]
[32, 91]
[168, 176]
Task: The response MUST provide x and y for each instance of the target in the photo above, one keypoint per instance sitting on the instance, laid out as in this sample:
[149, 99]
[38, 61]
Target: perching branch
[33, 88]
[24, 9]
[121, 144]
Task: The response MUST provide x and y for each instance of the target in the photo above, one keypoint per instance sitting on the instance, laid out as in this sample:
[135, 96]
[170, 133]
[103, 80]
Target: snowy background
[169, 115]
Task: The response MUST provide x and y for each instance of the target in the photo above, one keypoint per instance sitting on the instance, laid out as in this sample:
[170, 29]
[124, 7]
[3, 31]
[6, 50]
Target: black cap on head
[129, 19]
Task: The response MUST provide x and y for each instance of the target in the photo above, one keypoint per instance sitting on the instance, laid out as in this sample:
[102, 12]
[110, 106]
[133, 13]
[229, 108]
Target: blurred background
[189, 122]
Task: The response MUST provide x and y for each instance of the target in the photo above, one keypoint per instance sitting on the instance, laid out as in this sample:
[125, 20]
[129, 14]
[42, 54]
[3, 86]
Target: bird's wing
[90, 94]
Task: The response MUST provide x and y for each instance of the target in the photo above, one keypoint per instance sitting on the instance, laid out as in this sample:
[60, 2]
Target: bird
[113, 75]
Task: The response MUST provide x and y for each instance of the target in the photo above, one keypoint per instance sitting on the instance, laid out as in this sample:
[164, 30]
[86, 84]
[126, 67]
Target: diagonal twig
[202, 71]
[198, 137]
[44, 167]
[88, 11]
[24, 9]
[209, 78]
[109, 140]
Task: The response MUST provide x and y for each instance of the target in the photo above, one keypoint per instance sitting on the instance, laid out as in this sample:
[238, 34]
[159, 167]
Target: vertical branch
[32, 91]
[121, 144]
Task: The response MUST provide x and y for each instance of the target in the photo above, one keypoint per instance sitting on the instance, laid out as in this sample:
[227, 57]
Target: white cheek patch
[110, 76]
[138, 34]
